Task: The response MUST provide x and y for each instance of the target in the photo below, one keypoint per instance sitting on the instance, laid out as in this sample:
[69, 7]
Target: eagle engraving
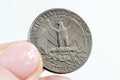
[58, 38]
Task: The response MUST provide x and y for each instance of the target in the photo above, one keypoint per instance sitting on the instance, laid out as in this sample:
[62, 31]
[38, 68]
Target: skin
[8, 72]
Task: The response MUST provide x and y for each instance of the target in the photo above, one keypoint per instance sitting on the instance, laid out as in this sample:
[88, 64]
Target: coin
[62, 38]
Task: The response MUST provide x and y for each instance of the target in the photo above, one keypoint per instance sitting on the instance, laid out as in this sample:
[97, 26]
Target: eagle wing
[76, 34]
[47, 36]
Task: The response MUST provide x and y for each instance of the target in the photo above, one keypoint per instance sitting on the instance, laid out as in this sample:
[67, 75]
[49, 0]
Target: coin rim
[89, 40]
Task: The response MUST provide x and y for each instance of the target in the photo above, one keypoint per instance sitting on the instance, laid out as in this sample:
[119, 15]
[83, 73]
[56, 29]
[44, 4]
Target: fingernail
[20, 58]
[55, 78]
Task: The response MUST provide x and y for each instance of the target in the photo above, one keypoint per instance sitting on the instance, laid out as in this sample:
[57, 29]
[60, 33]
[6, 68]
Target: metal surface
[62, 38]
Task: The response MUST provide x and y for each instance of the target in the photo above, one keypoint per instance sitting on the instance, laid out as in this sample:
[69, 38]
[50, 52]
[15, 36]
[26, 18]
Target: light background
[102, 17]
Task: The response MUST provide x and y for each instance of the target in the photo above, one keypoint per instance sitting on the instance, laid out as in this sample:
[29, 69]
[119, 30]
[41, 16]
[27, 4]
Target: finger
[6, 75]
[22, 59]
[54, 78]
[4, 46]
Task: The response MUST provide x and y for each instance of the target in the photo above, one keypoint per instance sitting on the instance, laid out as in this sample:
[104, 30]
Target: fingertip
[25, 58]
[54, 77]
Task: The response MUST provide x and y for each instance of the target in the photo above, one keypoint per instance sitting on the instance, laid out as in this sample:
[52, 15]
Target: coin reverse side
[62, 38]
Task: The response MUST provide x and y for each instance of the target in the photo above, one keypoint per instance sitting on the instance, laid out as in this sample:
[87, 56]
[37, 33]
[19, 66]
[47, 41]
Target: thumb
[21, 60]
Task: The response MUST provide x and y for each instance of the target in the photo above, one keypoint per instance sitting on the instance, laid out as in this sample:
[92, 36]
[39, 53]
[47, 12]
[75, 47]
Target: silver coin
[62, 38]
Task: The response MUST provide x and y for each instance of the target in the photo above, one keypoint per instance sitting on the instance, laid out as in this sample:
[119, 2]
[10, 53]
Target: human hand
[22, 61]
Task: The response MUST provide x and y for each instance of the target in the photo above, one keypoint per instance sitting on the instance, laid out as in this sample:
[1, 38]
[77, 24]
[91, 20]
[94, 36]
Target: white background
[102, 17]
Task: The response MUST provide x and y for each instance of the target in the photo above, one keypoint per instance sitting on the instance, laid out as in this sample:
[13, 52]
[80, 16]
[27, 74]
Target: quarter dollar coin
[62, 38]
